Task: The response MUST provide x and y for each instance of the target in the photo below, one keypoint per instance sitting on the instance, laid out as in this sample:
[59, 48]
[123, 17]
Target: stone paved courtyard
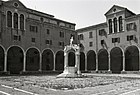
[90, 84]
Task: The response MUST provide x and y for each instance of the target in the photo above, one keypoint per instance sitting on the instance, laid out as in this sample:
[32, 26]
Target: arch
[110, 26]
[47, 60]
[2, 51]
[15, 20]
[71, 59]
[59, 60]
[15, 56]
[91, 60]
[32, 59]
[82, 61]
[120, 24]
[132, 58]
[116, 60]
[22, 22]
[9, 19]
[103, 59]
[115, 25]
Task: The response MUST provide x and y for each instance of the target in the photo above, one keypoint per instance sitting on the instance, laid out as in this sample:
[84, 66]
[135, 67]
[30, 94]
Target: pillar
[78, 63]
[123, 62]
[85, 62]
[5, 62]
[24, 63]
[12, 20]
[109, 63]
[54, 63]
[66, 59]
[97, 62]
[40, 63]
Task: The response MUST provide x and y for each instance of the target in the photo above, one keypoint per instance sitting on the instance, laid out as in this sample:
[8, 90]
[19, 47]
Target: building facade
[30, 40]
[112, 46]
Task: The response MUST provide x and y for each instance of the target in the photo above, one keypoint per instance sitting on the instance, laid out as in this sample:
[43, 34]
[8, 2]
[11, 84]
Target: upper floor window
[120, 24]
[102, 32]
[115, 25]
[131, 37]
[90, 44]
[48, 42]
[61, 34]
[110, 26]
[80, 37]
[33, 40]
[131, 26]
[48, 31]
[22, 22]
[9, 19]
[61, 44]
[33, 28]
[90, 35]
[15, 20]
[114, 40]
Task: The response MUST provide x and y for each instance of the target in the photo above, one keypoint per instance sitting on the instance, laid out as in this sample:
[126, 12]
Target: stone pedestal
[69, 72]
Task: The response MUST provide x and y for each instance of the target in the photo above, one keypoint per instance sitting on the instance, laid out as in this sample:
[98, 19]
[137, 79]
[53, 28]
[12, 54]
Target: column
[5, 62]
[18, 21]
[109, 65]
[12, 20]
[40, 63]
[123, 62]
[66, 60]
[96, 62]
[54, 63]
[78, 63]
[85, 62]
[24, 62]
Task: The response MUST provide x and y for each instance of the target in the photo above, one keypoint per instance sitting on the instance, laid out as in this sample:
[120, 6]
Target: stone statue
[71, 40]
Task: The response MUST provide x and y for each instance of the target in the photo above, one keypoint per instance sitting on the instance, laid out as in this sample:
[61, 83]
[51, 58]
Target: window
[115, 25]
[33, 28]
[131, 26]
[80, 37]
[102, 42]
[90, 44]
[17, 38]
[102, 32]
[48, 42]
[48, 31]
[90, 35]
[110, 26]
[62, 34]
[114, 40]
[33, 40]
[15, 20]
[130, 37]
[120, 24]
[9, 19]
[61, 44]
[22, 22]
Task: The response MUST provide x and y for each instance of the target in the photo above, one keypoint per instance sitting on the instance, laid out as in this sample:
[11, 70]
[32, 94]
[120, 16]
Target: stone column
[40, 63]
[18, 21]
[96, 62]
[109, 63]
[24, 62]
[78, 63]
[66, 59]
[5, 62]
[123, 62]
[54, 63]
[85, 62]
[12, 20]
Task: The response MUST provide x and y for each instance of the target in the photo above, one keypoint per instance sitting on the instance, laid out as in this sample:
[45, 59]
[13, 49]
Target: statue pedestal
[69, 72]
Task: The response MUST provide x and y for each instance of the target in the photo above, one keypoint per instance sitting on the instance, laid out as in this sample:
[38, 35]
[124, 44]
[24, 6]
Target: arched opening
[120, 24]
[15, 20]
[22, 22]
[9, 19]
[1, 59]
[110, 26]
[47, 60]
[103, 60]
[71, 59]
[115, 25]
[116, 60]
[132, 59]
[82, 61]
[32, 59]
[59, 61]
[91, 60]
[15, 60]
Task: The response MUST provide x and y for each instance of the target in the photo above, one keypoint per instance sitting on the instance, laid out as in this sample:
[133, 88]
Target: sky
[83, 13]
